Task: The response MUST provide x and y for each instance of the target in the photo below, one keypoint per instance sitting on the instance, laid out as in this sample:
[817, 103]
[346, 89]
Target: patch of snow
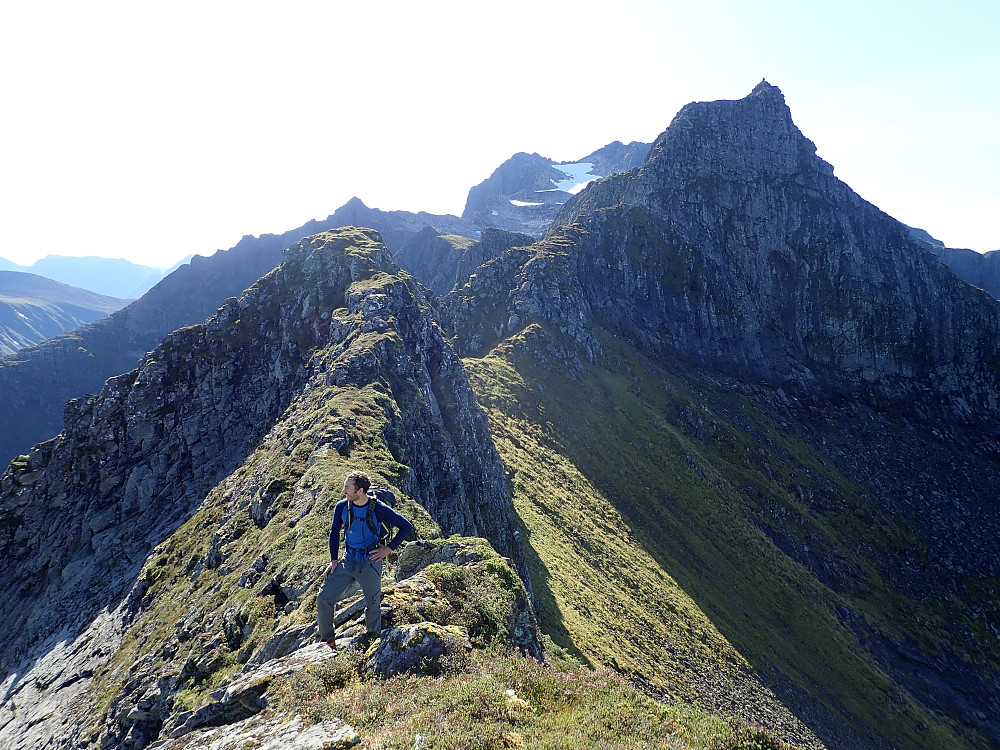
[494, 212]
[578, 176]
[22, 316]
[524, 203]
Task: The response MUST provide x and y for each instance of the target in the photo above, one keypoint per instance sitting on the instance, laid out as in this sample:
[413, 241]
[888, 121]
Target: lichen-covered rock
[416, 649]
[268, 733]
[244, 696]
[416, 556]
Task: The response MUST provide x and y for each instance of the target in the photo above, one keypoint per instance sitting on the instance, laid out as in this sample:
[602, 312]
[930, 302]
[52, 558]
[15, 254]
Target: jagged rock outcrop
[81, 514]
[441, 261]
[736, 248]
[525, 193]
[34, 308]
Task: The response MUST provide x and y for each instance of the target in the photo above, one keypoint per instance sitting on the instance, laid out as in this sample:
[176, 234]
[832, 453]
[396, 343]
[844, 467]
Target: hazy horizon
[151, 133]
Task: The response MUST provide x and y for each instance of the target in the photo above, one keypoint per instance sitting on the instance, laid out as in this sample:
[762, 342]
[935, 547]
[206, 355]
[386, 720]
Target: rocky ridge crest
[82, 512]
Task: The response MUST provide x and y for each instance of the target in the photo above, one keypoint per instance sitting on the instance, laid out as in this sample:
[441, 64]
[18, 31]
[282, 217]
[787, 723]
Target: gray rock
[417, 649]
[268, 733]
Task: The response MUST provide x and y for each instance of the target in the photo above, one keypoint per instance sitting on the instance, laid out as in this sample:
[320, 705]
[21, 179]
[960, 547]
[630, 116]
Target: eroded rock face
[735, 247]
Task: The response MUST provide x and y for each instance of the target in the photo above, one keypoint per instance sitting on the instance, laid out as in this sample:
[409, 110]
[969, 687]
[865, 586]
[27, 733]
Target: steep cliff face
[330, 355]
[735, 247]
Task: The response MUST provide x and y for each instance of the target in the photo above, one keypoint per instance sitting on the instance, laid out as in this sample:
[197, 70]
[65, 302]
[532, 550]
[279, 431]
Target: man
[363, 557]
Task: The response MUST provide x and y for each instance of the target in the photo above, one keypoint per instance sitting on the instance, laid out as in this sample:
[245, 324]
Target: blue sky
[154, 131]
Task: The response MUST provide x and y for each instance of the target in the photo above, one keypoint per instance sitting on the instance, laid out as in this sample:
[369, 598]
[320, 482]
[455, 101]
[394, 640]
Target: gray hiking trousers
[368, 574]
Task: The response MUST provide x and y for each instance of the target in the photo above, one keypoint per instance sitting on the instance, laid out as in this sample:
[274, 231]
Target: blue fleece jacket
[383, 514]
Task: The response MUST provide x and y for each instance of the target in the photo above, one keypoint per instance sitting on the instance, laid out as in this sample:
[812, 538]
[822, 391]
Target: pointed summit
[733, 138]
[744, 250]
[766, 89]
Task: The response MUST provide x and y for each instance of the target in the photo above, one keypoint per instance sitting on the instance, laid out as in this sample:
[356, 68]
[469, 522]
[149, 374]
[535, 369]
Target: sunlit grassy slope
[645, 495]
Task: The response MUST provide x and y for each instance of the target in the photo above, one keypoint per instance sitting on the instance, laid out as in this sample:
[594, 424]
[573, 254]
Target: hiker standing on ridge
[367, 522]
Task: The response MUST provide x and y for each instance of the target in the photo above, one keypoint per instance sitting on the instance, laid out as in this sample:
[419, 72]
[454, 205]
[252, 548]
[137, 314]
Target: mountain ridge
[41, 380]
[724, 469]
[139, 457]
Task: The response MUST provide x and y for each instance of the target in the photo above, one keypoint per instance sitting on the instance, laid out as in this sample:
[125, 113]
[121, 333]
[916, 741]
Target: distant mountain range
[113, 277]
[39, 380]
[34, 308]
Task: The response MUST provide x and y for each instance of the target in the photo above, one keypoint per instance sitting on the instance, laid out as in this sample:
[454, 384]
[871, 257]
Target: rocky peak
[748, 138]
[525, 193]
[735, 247]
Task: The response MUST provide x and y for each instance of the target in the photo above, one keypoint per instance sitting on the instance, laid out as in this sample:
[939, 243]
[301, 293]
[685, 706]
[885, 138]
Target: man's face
[353, 494]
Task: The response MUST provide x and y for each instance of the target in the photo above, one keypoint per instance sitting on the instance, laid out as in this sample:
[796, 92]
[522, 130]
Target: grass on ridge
[648, 551]
[499, 700]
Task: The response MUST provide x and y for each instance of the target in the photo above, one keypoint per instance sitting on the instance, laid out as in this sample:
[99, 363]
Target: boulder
[417, 649]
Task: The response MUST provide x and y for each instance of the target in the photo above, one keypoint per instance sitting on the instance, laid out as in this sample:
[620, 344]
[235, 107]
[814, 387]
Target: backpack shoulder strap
[372, 518]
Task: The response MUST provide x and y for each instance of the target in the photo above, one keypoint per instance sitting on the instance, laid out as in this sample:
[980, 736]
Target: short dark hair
[360, 480]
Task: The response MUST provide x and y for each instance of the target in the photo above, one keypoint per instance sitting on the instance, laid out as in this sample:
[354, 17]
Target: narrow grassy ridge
[652, 509]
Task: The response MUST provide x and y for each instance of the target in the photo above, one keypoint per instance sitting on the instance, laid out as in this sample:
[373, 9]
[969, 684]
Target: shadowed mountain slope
[736, 248]
[34, 308]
